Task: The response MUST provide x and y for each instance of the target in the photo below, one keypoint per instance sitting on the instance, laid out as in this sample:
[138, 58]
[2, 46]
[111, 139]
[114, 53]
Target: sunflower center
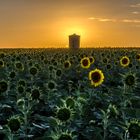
[1, 63]
[96, 77]
[14, 124]
[19, 65]
[130, 80]
[91, 60]
[3, 86]
[58, 72]
[12, 74]
[134, 130]
[138, 56]
[33, 71]
[51, 85]
[64, 114]
[85, 62]
[125, 61]
[35, 94]
[66, 65]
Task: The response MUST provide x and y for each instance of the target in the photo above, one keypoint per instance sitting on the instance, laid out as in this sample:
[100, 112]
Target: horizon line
[102, 47]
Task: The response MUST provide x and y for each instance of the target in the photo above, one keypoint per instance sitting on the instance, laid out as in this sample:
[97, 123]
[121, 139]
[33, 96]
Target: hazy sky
[46, 23]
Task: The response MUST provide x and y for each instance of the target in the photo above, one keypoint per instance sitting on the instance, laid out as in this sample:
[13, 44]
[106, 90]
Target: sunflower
[22, 82]
[35, 94]
[14, 124]
[85, 62]
[62, 135]
[96, 77]
[64, 113]
[3, 86]
[130, 80]
[33, 70]
[51, 85]
[138, 57]
[58, 72]
[2, 55]
[21, 103]
[69, 102]
[67, 64]
[92, 60]
[124, 61]
[20, 89]
[1, 63]
[12, 74]
[105, 60]
[134, 129]
[19, 66]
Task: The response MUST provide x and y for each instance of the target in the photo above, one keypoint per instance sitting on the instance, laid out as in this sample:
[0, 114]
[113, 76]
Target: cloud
[135, 5]
[107, 20]
[92, 18]
[102, 19]
[137, 26]
[115, 20]
[131, 21]
[135, 12]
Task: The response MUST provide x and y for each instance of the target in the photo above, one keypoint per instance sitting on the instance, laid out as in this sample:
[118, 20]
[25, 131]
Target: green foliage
[45, 94]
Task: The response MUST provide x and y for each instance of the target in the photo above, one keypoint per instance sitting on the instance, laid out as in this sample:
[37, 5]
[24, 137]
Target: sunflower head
[64, 114]
[33, 70]
[35, 94]
[14, 124]
[130, 80]
[125, 61]
[12, 74]
[108, 66]
[62, 135]
[105, 60]
[20, 89]
[96, 77]
[1, 63]
[70, 102]
[67, 64]
[3, 86]
[134, 129]
[51, 85]
[58, 72]
[21, 103]
[22, 82]
[138, 57]
[19, 66]
[2, 54]
[92, 60]
[85, 62]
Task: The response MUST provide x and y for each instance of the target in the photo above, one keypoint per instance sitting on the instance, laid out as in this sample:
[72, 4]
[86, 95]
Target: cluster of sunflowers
[61, 94]
[95, 76]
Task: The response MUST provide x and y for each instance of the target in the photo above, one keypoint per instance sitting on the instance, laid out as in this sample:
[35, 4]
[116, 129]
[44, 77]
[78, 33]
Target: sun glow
[68, 26]
[76, 30]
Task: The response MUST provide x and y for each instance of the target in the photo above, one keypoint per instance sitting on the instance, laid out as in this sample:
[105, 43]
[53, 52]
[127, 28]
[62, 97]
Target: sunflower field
[62, 94]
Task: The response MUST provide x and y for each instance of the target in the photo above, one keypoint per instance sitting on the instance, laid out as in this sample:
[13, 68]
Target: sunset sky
[47, 23]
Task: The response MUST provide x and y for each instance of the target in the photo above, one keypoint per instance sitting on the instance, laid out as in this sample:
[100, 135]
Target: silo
[74, 41]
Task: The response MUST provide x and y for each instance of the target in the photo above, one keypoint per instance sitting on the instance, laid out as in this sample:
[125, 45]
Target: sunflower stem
[12, 136]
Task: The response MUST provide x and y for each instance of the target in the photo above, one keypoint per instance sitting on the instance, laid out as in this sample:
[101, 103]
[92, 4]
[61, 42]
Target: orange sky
[47, 23]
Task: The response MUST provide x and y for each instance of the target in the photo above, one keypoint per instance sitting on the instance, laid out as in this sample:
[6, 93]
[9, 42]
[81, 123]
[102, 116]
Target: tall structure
[74, 41]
